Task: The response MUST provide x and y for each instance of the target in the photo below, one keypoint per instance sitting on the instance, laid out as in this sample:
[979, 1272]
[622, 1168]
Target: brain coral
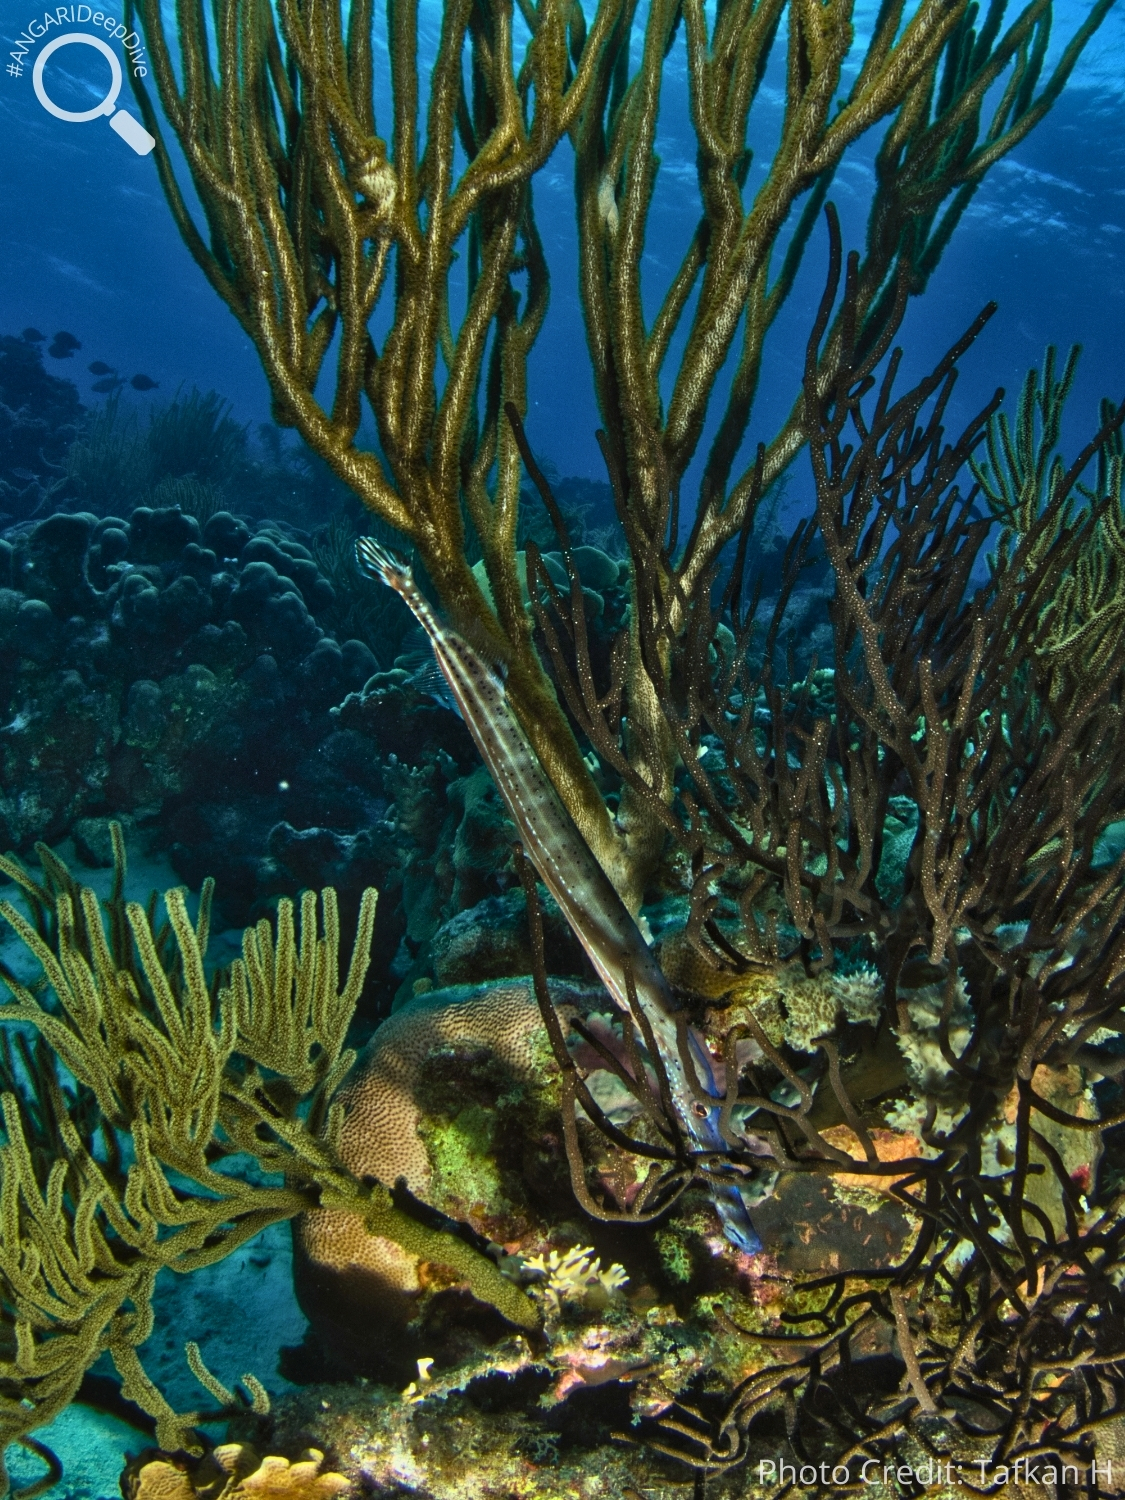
[363, 1294]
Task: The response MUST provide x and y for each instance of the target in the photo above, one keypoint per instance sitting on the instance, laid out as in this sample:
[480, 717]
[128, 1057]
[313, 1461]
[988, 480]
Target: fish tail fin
[379, 562]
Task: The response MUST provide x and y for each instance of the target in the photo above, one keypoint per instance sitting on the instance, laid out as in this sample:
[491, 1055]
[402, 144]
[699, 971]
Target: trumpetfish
[568, 868]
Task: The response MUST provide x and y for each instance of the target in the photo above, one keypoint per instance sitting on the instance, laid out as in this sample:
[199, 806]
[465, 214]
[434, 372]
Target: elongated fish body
[566, 865]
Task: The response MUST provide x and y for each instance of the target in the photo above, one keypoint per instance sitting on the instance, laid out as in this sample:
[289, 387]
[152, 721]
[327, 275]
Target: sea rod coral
[111, 1168]
[948, 800]
[941, 803]
[313, 189]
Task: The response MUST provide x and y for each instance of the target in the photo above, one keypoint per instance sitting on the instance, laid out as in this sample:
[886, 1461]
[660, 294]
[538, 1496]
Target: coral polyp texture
[232, 1469]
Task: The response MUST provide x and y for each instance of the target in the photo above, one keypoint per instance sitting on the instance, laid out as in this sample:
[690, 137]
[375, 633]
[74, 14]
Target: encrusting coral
[232, 1471]
[111, 1172]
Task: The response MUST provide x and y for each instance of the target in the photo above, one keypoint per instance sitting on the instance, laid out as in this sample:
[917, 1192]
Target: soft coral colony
[898, 973]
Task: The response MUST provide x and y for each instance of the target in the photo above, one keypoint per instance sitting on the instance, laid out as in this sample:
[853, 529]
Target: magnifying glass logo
[131, 131]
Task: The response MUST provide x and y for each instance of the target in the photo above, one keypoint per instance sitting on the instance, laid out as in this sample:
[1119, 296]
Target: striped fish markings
[567, 867]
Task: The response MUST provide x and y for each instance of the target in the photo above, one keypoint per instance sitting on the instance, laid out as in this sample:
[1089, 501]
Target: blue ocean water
[87, 245]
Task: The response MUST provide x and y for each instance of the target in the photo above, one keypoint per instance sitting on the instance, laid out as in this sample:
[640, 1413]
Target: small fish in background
[33, 336]
[143, 383]
[110, 383]
[63, 345]
[99, 367]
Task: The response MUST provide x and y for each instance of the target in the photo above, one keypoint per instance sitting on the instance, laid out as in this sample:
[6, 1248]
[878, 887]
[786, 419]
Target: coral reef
[141, 654]
[112, 1171]
[897, 1021]
[232, 1471]
[186, 678]
[458, 1099]
[910, 1061]
[489, 1439]
[454, 1100]
[995, 926]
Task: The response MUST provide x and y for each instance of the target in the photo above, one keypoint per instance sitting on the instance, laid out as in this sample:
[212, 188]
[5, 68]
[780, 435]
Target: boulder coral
[136, 651]
[187, 677]
[177, 675]
[370, 1300]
